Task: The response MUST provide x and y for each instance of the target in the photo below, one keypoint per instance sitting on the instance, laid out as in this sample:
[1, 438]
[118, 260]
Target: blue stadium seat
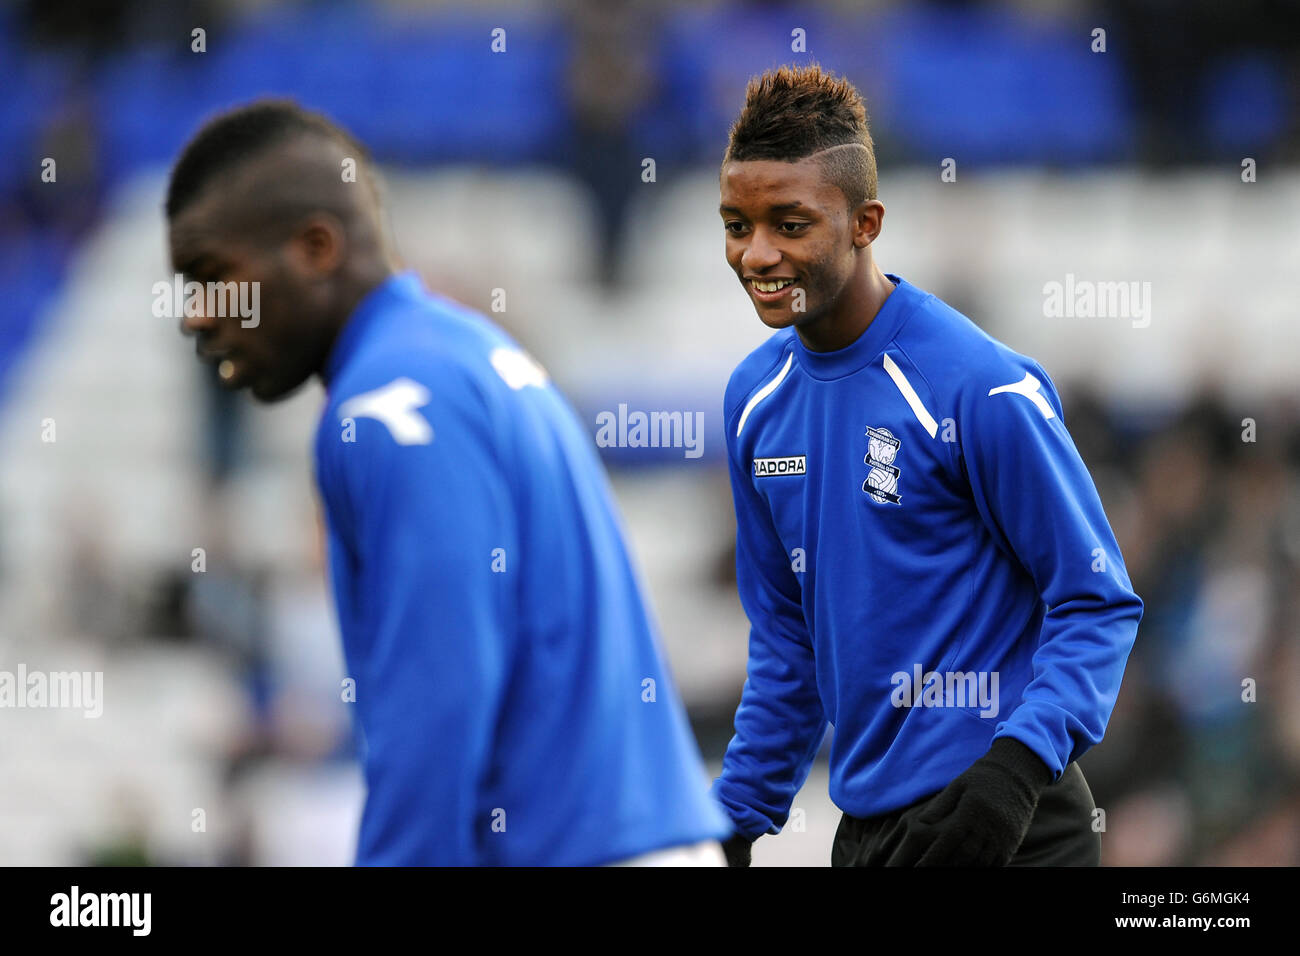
[989, 86]
[413, 88]
[148, 100]
[1244, 104]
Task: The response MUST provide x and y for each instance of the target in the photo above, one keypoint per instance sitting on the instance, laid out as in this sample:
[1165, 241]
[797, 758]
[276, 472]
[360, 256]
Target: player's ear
[868, 219]
[319, 245]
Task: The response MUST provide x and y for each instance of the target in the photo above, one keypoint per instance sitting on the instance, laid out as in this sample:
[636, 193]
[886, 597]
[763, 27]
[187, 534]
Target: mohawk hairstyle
[232, 138]
[795, 112]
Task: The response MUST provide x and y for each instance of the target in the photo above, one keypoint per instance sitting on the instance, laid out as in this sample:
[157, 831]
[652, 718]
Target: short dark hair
[794, 112]
[236, 136]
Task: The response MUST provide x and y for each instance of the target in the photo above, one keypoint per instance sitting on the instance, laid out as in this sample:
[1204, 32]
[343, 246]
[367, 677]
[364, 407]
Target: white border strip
[924, 417]
[762, 393]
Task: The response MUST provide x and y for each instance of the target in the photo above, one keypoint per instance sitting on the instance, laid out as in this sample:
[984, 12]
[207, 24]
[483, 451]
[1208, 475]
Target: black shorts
[1060, 834]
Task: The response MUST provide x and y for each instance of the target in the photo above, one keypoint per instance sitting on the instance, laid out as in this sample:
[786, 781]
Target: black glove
[980, 819]
[737, 850]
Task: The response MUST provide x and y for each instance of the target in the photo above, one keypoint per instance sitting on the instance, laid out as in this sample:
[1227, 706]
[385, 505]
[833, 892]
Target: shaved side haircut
[231, 142]
[792, 113]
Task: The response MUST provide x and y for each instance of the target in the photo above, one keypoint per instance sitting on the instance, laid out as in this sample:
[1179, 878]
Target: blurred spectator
[610, 80]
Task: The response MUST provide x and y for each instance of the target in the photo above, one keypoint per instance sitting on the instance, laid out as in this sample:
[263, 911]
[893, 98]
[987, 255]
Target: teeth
[776, 286]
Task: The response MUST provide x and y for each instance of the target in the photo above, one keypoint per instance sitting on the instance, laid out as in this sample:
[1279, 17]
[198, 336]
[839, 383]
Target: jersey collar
[401, 287]
[883, 328]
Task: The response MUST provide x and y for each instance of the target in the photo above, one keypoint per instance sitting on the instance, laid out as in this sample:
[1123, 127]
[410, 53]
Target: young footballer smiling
[915, 530]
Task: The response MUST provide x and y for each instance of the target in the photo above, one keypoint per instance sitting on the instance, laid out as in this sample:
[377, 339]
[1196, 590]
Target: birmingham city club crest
[882, 480]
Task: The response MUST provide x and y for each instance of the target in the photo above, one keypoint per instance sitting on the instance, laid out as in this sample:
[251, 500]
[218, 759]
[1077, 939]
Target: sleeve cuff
[1016, 758]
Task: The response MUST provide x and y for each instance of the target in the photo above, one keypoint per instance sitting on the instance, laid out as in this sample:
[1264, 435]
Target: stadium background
[522, 171]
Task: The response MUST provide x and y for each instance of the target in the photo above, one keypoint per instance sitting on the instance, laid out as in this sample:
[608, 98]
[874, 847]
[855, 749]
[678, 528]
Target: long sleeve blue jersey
[924, 561]
[515, 706]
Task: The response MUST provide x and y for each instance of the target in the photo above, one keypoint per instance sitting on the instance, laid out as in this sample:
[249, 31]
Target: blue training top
[515, 705]
[924, 561]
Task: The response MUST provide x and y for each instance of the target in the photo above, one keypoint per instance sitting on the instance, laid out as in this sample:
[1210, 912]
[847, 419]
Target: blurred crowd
[111, 86]
[1201, 763]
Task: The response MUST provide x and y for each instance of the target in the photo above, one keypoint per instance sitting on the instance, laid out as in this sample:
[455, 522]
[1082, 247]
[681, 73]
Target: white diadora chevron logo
[395, 405]
[517, 369]
[1028, 387]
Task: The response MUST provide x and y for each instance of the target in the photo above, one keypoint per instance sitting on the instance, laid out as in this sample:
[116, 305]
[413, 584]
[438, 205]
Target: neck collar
[890, 318]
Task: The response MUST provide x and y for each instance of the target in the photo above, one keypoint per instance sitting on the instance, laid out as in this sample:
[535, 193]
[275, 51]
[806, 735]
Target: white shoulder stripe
[1028, 387]
[762, 393]
[924, 417]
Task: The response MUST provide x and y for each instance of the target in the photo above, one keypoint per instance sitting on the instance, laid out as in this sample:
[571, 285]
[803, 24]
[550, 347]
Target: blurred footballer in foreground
[498, 635]
[921, 552]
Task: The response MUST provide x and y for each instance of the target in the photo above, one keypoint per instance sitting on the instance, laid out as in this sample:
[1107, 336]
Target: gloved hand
[737, 850]
[980, 819]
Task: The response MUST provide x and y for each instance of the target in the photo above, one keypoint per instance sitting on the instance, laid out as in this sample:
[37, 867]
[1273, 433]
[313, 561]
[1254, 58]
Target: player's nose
[759, 254]
[198, 322]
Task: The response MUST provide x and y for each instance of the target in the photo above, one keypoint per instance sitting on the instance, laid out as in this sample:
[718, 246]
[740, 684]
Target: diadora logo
[395, 405]
[768, 467]
[882, 480]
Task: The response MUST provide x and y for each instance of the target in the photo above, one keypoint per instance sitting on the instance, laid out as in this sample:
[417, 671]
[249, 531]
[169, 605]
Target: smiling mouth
[770, 290]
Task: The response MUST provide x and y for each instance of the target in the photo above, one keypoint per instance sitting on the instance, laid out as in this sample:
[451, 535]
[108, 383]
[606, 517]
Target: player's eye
[202, 274]
[734, 227]
[791, 227]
